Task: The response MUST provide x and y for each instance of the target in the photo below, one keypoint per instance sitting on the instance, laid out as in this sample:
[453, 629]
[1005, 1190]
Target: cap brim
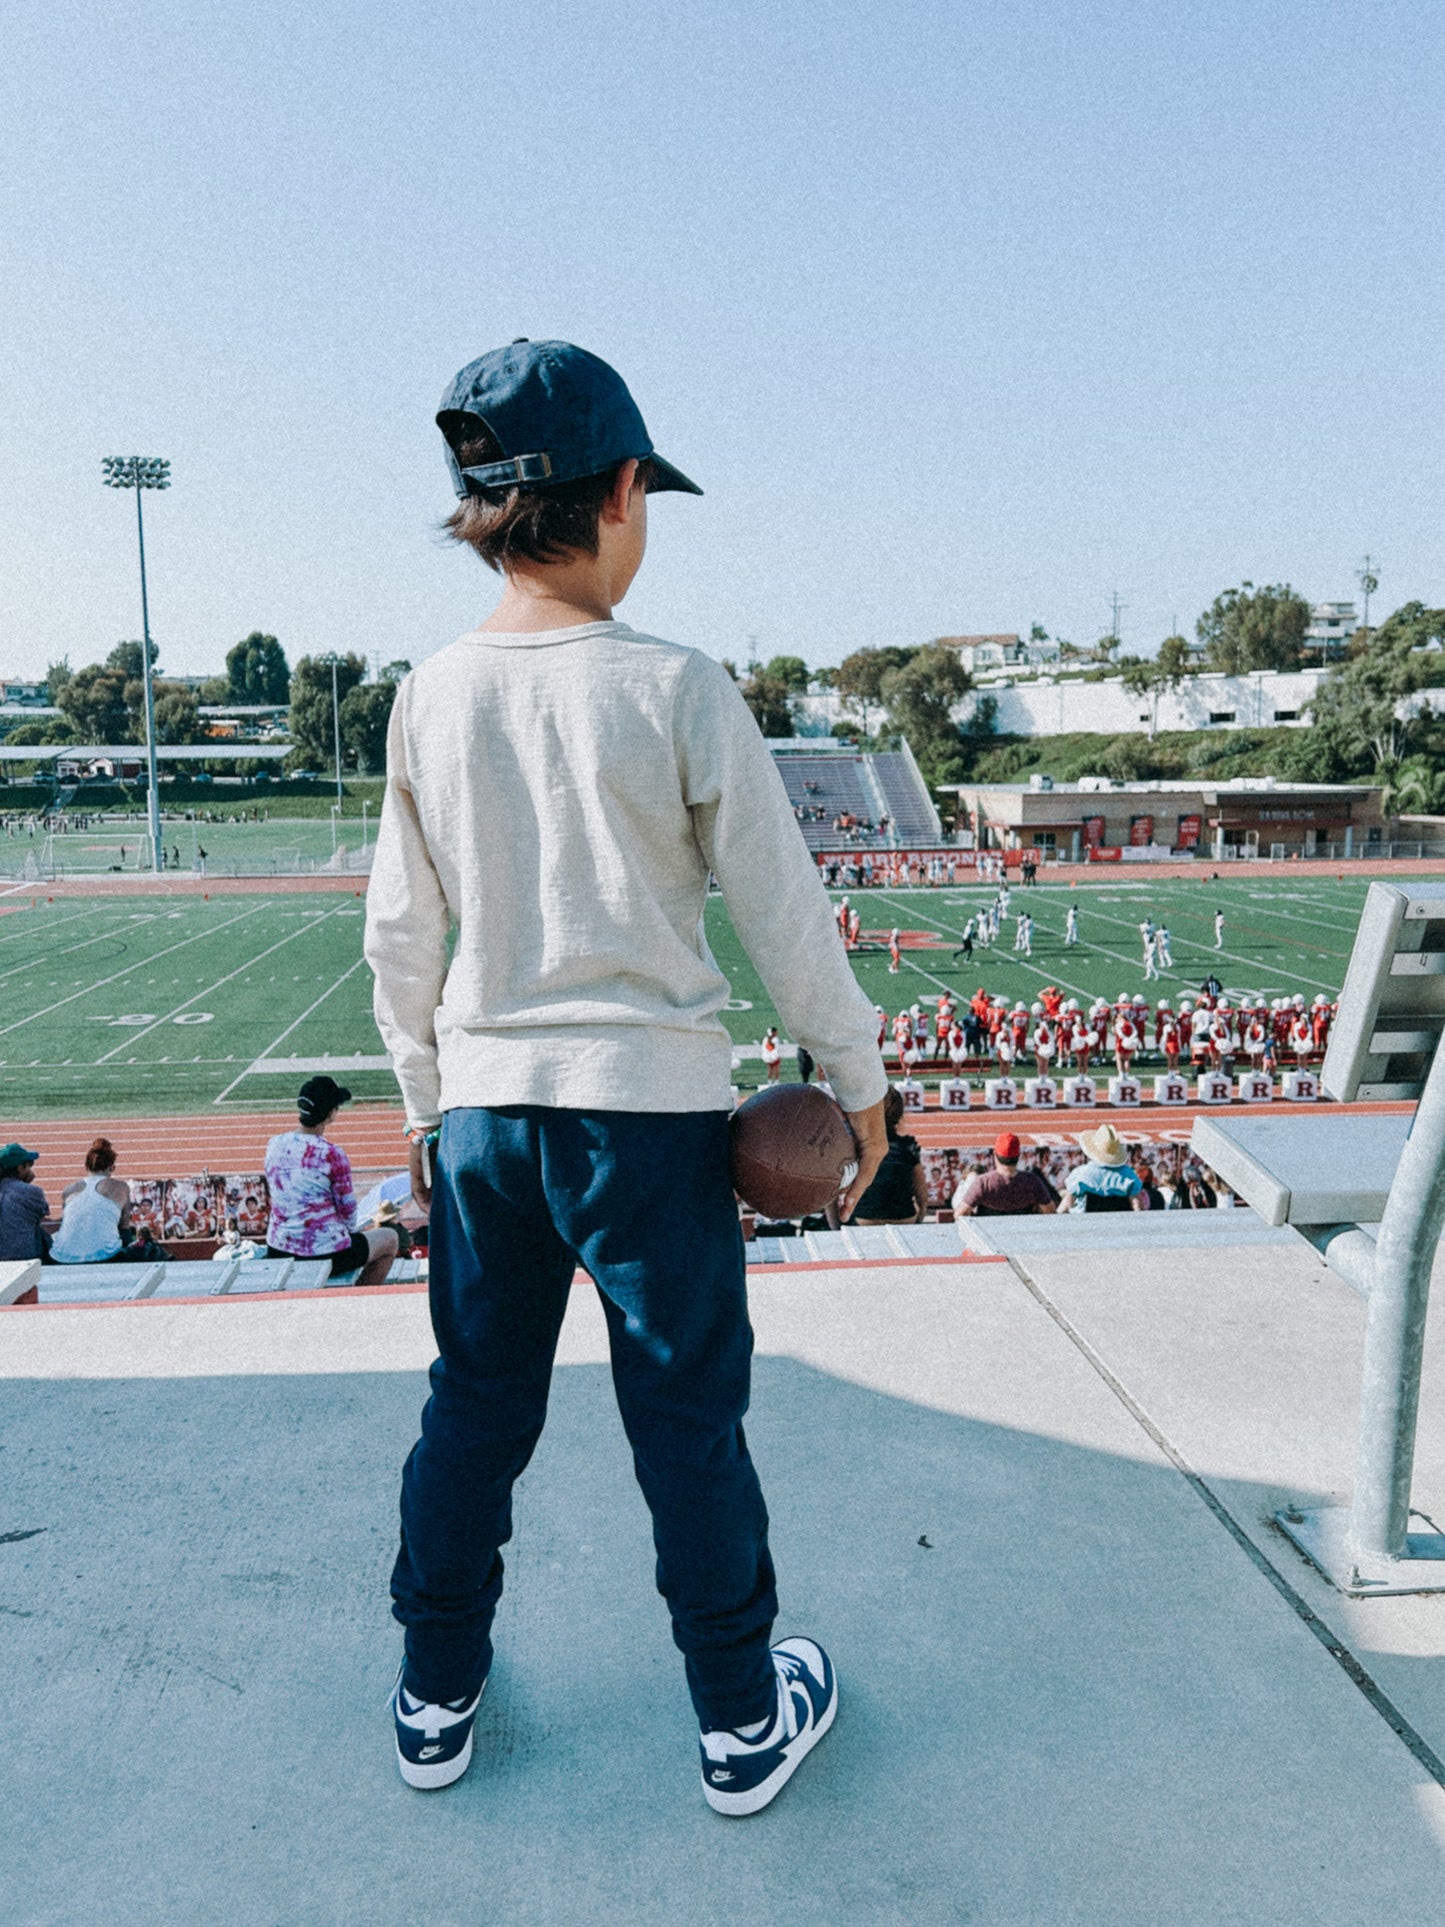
[665, 477]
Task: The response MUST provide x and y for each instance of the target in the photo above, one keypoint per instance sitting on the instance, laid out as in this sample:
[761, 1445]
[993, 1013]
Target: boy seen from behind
[558, 789]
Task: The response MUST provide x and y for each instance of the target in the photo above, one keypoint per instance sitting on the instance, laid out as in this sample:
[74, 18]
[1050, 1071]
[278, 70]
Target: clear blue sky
[963, 315]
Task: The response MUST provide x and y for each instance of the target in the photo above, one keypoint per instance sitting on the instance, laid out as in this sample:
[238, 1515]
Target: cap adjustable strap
[516, 468]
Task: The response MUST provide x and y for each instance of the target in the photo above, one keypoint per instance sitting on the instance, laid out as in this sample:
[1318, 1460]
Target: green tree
[394, 671]
[1147, 677]
[256, 670]
[982, 718]
[56, 729]
[1175, 660]
[791, 670]
[1357, 708]
[858, 679]
[177, 713]
[1410, 788]
[1248, 628]
[769, 698]
[921, 695]
[215, 691]
[364, 717]
[311, 719]
[126, 657]
[57, 675]
[94, 704]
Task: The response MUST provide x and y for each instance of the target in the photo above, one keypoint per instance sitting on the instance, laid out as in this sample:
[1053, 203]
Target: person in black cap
[558, 789]
[23, 1206]
[313, 1204]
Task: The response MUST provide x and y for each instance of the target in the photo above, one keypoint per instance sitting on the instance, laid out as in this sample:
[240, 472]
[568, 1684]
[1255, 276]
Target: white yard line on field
[15, 970]
[1259, 969]
[133, 1037]
[141, 963]
[1000, 955]
[1315, 923]
[1207, 943]
[270, 1050]
[15, 935]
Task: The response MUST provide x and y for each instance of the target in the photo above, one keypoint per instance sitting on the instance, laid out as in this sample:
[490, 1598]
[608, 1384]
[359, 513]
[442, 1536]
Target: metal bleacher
[865, 786]
[913, 816]
[113, 1284]
[840, 787]
[900, 1241]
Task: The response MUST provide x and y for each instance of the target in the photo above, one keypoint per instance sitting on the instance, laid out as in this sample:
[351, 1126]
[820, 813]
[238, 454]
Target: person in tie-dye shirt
[313, 1204]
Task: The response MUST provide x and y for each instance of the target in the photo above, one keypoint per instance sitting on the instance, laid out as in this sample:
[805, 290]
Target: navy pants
[642, 1200]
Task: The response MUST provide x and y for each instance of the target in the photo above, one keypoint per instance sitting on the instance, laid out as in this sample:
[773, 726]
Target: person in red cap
[1005, 1191]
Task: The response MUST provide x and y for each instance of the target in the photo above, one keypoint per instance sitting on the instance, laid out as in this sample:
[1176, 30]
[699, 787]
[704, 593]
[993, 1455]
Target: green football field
[182, 1004]
[280, 848]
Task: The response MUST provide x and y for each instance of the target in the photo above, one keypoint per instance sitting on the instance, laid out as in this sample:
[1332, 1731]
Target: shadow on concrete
[1077, 1701]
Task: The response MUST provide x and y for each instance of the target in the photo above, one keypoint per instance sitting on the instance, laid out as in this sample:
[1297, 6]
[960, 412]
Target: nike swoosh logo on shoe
[428, 1752]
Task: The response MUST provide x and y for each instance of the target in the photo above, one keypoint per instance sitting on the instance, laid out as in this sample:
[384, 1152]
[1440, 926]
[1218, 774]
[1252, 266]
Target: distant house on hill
[999, 652]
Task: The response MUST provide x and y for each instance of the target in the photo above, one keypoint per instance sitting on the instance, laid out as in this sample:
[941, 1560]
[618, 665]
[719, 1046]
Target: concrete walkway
[1069, 1695]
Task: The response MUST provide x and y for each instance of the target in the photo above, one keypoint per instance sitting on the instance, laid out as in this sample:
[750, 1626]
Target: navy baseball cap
[558, 413]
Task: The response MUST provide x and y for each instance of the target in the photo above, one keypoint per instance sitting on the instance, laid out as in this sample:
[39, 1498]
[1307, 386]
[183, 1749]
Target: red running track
[182, 1147]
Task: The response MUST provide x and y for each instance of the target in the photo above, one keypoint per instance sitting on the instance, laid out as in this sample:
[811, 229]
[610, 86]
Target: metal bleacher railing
[1368, 1192]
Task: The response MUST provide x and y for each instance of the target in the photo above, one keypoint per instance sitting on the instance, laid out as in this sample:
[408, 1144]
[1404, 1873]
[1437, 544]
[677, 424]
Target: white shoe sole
[738, 1805]
[428, 1778]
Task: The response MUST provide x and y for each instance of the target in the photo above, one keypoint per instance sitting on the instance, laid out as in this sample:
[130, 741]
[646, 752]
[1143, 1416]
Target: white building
[1061, 705]
[27, 695]
[1057, 706]
[1331, 625]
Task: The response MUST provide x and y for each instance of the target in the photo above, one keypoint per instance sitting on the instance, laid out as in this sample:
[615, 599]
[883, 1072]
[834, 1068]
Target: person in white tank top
[94, 1212]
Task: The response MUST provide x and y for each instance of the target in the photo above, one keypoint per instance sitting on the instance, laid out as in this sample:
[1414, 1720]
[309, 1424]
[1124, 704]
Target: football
[791, 1146]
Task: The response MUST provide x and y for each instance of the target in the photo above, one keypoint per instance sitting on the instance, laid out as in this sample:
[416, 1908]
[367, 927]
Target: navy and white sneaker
[433, 1743]
[743, 1771]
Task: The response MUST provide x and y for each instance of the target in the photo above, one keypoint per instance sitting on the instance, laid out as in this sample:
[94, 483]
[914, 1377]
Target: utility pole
[1367, 575]
[1116, 608]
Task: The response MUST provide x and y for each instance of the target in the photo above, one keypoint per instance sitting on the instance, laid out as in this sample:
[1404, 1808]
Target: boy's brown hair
[528, 524]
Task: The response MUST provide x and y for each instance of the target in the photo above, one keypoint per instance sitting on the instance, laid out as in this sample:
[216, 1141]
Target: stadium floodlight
[140, 472]
[336, 726]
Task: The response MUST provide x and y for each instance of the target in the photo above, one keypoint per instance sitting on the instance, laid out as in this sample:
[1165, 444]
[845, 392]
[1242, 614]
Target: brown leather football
[791, 1144]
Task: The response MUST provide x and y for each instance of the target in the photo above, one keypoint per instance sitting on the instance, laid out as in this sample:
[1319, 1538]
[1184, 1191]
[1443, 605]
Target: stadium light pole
[140, 472]
[336, 728]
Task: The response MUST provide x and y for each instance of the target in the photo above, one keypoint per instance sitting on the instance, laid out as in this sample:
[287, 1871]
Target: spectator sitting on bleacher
[23, 1206]
[899, 1191]
[1107, 1182]
[313, 1204]
[233, 1245]
[1005, 1191]
[95, 1226]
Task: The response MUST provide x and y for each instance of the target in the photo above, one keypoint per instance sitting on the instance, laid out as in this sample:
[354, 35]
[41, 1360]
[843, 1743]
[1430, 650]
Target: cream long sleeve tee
[556, 801]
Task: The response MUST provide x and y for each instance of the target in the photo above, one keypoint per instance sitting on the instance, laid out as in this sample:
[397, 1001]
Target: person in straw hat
[1106, 1182]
